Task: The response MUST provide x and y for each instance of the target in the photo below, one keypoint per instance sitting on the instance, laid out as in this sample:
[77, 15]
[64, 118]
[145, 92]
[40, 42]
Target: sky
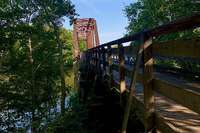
[109, 14]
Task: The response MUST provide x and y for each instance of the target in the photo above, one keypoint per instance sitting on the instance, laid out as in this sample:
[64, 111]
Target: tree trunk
[33, 95]
[62, 71]
[62, 76]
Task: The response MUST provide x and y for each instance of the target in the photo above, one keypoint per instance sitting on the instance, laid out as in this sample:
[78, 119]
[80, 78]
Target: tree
[30, 56]
[145, 14]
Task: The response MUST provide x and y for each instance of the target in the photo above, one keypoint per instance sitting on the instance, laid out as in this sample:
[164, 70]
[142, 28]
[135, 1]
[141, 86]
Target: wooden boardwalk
[168, 101]
[171, 116]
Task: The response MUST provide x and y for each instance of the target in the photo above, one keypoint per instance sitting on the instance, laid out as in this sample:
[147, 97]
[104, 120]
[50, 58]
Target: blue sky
[109, 15]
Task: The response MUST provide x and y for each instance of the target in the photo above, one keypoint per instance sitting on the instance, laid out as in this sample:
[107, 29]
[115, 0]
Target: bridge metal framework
[85, 29]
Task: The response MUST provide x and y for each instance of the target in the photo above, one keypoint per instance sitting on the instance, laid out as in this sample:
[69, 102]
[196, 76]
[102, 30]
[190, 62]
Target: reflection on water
[17, 107]
[11, 120]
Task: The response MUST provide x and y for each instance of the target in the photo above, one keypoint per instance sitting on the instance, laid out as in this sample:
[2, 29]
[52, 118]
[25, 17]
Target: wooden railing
[117, 61]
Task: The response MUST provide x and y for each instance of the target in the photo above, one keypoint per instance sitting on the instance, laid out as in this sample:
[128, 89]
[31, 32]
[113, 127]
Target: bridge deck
[176, 101]
[172, 116]
[176, 116]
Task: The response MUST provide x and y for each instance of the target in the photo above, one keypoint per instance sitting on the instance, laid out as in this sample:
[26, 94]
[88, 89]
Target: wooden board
[178, 90]
[177, 117]
[178, 48]
[128, 50]
[170, 115]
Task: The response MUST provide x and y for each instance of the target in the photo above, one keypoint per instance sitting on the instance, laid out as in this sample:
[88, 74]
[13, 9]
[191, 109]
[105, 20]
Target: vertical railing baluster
[110, 61]
[104, 60]
[122, 83]
[96, 59]
[99, 61]
[148, 83]
[149, 99]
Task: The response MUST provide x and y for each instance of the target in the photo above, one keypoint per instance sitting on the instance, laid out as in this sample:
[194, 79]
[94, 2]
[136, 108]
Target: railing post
[148, 84]
[99, 61]
[76, 57]
[96, 59]
[103, 60]
[89, 62]
[122, 83]
[110, 61]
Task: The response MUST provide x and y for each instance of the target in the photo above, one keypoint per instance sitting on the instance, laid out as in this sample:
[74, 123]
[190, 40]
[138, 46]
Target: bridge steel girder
[83, 29]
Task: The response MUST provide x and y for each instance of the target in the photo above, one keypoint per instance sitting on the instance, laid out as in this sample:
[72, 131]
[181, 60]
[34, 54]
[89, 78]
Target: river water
[11, 120]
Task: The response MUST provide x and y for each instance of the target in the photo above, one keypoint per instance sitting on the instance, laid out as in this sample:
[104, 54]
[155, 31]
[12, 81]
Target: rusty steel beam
[86, 29]
[83, 29]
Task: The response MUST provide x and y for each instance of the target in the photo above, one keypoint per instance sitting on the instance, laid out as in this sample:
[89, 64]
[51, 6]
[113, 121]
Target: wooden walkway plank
[170, 115]
[182, 119]
[178, 92]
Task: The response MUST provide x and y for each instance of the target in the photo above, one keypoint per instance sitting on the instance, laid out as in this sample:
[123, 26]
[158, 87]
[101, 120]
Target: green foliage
[66, 40]
[82, 45]
[145, 14]
[29, 80]
[148, 14]
[74, 120]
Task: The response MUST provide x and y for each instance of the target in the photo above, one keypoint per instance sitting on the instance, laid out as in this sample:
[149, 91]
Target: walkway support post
[149, 119]
[145, 43]
[76, 55]
[122, 83]
[104, 61]
[110, 66]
